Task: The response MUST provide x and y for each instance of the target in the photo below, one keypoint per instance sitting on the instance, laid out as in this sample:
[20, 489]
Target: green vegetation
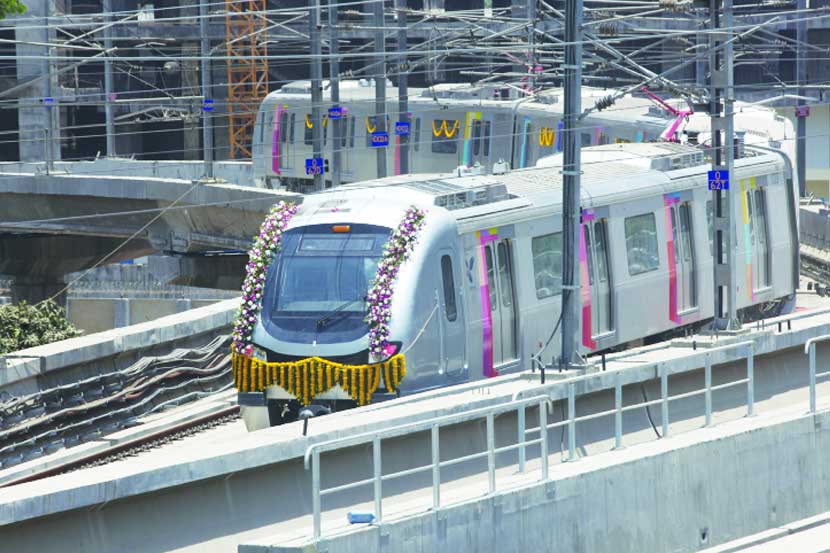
[11, 7]
[25, 325]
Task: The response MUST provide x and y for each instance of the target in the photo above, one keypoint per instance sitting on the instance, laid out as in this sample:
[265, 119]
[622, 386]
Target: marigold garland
[307, 378]
[266, 245]
[396, 251]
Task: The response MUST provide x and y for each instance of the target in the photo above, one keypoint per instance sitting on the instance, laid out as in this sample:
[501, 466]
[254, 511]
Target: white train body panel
[645, 258]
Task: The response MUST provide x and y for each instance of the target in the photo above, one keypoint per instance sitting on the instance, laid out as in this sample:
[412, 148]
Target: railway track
[69, 415]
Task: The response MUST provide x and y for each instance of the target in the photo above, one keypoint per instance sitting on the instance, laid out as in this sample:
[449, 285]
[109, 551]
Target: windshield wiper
[321, 322]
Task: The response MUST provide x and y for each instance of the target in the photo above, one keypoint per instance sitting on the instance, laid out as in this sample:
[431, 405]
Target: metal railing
[810, 349]
[543, 394]
[312, 454]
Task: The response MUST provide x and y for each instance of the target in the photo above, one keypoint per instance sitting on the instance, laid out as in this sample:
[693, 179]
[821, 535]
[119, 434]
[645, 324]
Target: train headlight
[260, 354]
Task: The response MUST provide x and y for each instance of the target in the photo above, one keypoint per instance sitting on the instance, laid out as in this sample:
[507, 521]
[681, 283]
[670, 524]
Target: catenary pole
[316, 92]
[403, 82]
[334, 81]
[205, 70]
[801, 115]
[380, 83]
[571, 177]
[721, 110]
[110, 122]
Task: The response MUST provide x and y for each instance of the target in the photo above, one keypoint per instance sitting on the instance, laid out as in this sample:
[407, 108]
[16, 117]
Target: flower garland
[263, 250]
[395, 252]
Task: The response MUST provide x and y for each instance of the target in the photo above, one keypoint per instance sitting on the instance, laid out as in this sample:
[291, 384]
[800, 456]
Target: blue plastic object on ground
[360, 517]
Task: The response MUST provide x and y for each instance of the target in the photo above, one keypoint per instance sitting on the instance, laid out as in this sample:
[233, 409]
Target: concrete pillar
[33, 116]
[121, 312]
[191, 87]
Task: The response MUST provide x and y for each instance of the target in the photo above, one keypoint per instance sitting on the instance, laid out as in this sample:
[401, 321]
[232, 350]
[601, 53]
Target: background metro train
[466, 125]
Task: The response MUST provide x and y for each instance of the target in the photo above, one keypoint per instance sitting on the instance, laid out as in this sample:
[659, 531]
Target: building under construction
[181, 79]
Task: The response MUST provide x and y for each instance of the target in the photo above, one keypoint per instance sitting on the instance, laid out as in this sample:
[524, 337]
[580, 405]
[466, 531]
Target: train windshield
[316, 286]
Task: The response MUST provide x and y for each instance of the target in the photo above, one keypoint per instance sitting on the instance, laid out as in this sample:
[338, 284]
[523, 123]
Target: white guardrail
[541, 396]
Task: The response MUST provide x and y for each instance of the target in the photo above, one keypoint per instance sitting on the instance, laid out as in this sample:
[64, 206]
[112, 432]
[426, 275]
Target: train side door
[286, 138]
[684, 256]
[599, 277]
[500, 276]
[481, 137]
[451, 319]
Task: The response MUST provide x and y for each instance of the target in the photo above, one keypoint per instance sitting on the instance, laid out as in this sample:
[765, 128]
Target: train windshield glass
[316, 286]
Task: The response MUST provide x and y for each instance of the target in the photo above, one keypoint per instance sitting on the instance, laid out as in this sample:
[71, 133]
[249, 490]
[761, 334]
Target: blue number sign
[314, 166]
[402, 128]
[380, 139]
[207, 105]
[335, 112]
[719, 180]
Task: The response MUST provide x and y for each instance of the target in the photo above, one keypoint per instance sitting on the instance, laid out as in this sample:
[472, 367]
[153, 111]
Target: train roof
[350, 90]
[611, 173]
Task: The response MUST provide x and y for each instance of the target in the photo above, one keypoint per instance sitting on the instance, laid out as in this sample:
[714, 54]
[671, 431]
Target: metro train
[480, 290]
[459, 125]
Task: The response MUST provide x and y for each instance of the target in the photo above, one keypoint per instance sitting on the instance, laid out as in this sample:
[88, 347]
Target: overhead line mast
[571, 181]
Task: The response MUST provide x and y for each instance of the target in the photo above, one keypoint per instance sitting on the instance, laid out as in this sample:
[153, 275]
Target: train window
[284, 127]
[505, 274]
[491, 277]
[308, 135]
[371, 126]
[476, 137]
[758, 233]
[291, 128]
[486, 149]
[586, 139]
[527, 144]
[416, 135]
[344, 131]
[351, 131]
[547, 264]
[641, 244]
[444, 134]
[449, 288]
[602, 251]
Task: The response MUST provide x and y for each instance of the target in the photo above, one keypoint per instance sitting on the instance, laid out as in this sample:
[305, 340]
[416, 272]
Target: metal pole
[618, 411]
[315, 493]
[50, 112]
[708, 378]
[750, 385]
[801, 79]
[571, 176]
[436, 467]
[531, 42]
[543, 431]
[377, 469]
[664, 396]
[380, 83]
[207, 118]
[334, 81]
[723, 153]
[571, 422]
[812, 378]
[491, 454]
[521, 437]
[403, 85]
[110, 122]
[316, 91]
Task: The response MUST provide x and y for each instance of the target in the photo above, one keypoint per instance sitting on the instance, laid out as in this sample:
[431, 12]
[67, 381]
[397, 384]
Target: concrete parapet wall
[680, 494]
[30, 370]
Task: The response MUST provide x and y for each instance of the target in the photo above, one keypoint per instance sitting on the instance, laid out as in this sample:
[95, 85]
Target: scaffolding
[245, 25]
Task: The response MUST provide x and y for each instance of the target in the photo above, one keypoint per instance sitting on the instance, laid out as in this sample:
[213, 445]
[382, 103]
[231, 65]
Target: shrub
[25, 325]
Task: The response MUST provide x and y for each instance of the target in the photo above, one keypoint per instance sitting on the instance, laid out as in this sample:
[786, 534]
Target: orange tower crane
[245, 25]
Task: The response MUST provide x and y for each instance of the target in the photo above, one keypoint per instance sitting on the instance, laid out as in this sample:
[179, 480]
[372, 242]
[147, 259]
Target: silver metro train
[481, 290]
[454, 125]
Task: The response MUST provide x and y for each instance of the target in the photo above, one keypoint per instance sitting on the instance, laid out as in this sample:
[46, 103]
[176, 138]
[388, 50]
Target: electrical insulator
[604, 103]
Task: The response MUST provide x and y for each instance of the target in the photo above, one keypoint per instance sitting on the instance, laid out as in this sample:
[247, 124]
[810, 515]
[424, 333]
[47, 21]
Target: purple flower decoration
[266, 244]
[396, 251]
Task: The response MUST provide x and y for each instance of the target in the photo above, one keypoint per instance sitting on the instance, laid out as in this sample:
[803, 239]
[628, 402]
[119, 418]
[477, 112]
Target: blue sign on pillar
[719, 180]
[380, 139]
[335, 112]
[402, 128]
[314, 166]
[207, 105]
